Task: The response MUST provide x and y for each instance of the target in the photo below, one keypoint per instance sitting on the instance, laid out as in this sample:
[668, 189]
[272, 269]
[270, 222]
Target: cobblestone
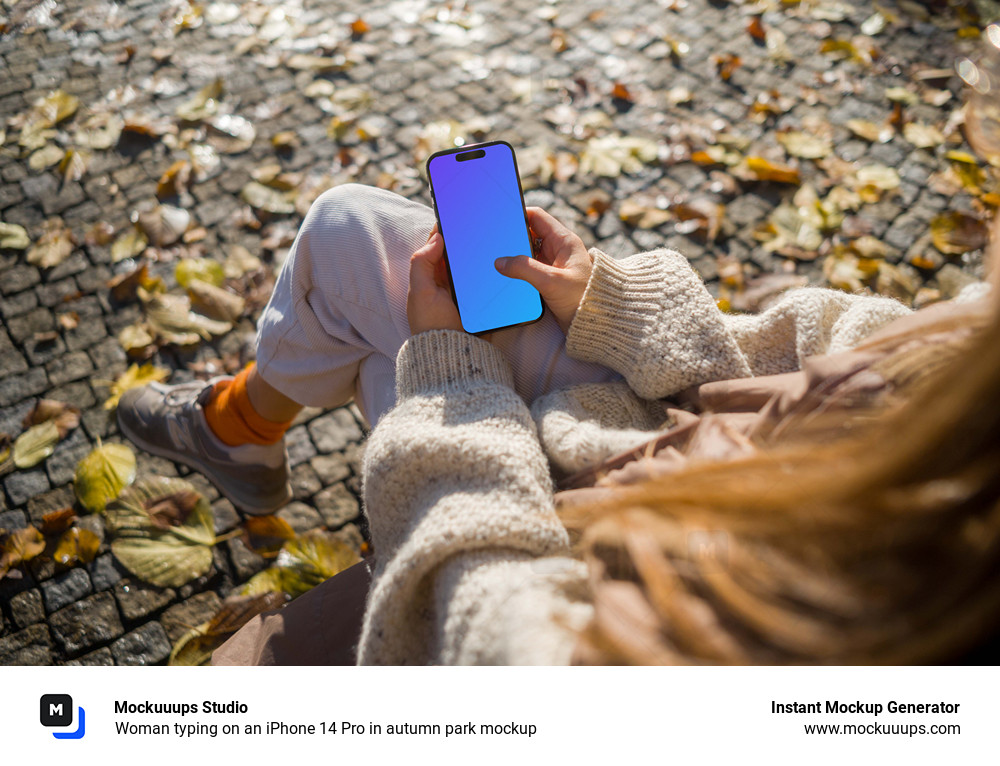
[86, 624]
[65, 589]
[146, 645]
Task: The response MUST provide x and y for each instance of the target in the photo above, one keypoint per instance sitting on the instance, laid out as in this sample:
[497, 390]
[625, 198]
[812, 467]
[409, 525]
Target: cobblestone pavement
[633, 122]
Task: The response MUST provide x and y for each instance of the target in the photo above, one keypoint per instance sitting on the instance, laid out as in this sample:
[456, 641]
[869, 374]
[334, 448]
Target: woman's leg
[337, 318]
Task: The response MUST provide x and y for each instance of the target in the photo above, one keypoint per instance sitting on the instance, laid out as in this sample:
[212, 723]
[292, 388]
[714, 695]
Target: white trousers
[337, 317]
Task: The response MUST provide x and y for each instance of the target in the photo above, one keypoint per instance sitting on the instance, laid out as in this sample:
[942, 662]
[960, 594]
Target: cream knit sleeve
[472, 561]
[650, 318]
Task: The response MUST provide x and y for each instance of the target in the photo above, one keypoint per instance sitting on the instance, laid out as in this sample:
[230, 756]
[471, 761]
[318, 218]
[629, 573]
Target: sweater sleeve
[650, 318]
[472, 562]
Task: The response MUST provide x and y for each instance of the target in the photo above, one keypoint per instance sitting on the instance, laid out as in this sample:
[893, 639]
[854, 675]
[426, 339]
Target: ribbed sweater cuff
[621, 299]
[439, 360]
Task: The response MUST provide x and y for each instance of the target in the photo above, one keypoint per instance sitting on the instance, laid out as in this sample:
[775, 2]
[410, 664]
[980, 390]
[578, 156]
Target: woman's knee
[346, 202]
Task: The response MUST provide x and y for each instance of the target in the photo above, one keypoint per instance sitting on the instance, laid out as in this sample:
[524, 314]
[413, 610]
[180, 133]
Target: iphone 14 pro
[480, 212]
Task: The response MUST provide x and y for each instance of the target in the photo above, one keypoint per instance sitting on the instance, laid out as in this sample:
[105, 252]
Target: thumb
[535, 273]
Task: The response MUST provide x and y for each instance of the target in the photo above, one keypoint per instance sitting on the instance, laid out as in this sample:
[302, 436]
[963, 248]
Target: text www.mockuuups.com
[904, 729]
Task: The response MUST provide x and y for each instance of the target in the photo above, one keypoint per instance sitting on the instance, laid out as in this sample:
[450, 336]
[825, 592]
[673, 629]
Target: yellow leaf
[36, 444]
[13, 237]
[76, 546]
[134, 377]
[204, 269]
[20, 546]
[54, 246]
[764, 170]
[102, 475]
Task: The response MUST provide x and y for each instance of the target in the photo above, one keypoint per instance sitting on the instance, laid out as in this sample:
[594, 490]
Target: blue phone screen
[482, 218]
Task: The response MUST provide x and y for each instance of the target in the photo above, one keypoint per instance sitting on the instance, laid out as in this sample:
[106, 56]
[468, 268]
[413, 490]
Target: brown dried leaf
[171, 510]
[359, 26]
[955, 233]
[755, 28]
[164, 225]
[174, 181]
[100, 234]
[57, 522]
[54, 246]
[869, 131]
[74, 164]
[726, 64]
[65, 416]
[18, 547]
[643, 212]
[266, 534]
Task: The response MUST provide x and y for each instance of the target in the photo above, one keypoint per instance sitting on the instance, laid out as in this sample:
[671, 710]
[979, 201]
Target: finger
[535, 273]
[423, 263]
[546, 225]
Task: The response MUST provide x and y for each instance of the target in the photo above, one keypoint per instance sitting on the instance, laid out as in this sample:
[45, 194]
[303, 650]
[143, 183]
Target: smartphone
[481, 216]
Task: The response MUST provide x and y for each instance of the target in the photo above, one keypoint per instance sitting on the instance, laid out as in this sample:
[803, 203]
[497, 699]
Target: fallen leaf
[215, 302]
[13, 237]
[76, 546]
[620, 92]
[164, 225]
[270, 200]
[240, 261]
[848, 272]
[46, 157]
[303, 563]
[149, 125]
[65, 416]
[173, 509]
[922, 136]
[755, 28]
[57, 522]
[54, 246]
[102, 474]
[99, 234]
[765, 170]
[726, 64]
[130, 243]
[74, 164]
[266, 535]
[19, 547]
[35, 444]
[172, 321]
[167, 557]
[955, 233]
[359, 27]
[285, 141]
[174, 181]
[134, 377]
[137, 341]
[197, 645]
[203, 104]
[204, 269]
[805, 145]
[902, 95]
[46, 113]
[231, 134]
[870, 131]
[610, 156]
[99, 131]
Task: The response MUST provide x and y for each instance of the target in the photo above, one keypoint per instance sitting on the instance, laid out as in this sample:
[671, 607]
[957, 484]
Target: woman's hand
[561, 270]
[428, 302]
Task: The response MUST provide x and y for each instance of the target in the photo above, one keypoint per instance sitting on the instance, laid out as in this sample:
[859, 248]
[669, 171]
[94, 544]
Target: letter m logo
[56, 710]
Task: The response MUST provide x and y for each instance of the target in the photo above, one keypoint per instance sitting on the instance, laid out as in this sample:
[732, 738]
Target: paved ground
[569, 84]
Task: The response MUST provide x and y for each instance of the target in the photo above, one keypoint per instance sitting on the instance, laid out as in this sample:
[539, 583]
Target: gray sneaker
[169, 421]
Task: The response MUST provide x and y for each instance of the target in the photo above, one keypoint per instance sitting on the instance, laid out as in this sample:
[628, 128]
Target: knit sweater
[473, 563]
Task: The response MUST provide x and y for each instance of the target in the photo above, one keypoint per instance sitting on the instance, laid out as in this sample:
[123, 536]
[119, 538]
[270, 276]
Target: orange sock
[233, 419]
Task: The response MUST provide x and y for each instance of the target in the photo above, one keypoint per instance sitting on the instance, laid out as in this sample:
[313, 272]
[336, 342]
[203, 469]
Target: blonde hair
[869, 536]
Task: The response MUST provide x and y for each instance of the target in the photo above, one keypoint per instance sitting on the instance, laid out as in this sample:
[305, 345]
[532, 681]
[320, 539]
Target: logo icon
[57, 710]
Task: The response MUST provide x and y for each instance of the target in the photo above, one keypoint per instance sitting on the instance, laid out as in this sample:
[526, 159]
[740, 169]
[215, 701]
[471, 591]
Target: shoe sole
[197, 465]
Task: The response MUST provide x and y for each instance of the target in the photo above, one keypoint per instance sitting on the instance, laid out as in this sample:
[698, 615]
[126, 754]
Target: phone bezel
[524, 212]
